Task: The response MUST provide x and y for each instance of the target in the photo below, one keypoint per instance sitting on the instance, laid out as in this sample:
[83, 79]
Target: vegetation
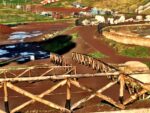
[146, 11]
[130, 51]
[137, 51]
[147, 63]
[97, 55]
[15, 2]
[121, 5]
[11, 15]
[59, 44]
[74, 36]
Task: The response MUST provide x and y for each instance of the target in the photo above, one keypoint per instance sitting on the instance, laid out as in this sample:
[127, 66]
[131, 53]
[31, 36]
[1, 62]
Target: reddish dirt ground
[43, 27]
[88, 42]
[5, 29]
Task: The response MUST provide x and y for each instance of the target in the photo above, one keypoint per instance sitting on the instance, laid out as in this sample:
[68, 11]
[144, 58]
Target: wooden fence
[66, 76]
[136, 88]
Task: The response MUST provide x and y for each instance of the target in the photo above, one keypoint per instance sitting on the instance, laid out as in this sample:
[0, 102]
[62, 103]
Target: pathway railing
[66, 75]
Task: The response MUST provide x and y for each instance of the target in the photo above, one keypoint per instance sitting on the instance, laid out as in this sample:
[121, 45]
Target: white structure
[100, 19]
[48, 1]
[32, 57]
[110, 20]
[129, 20]
[139, 18]
[121, 19]
[86, 22]
[147, 18]
[18, 7]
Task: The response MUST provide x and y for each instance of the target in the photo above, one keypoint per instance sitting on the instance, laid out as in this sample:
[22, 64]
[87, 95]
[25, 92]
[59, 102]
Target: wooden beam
[36, 98]
[89, 90]
[32, 67]
[23, 73]
[121, 90]
[110, 100]
[41, 96]
[68, 71]
[77, 84]
[49, 70]
[12, 73]
[6, 103]
[68, 96]
[57, 77]
[134, 97]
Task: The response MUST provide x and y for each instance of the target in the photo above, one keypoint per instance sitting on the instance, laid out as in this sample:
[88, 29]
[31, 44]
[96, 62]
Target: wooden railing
[69, 82]
[66, 75]
[133, 85]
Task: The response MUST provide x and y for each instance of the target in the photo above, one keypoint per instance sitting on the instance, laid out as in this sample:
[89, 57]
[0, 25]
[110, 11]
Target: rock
[136, 66]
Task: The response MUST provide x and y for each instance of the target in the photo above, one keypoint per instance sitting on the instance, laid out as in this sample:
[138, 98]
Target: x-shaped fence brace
[94, 63]
[40, 99]
[27, 71]
[101, 66]
[68, 80]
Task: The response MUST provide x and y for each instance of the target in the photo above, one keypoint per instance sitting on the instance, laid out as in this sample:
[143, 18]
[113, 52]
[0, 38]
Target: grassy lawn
[97, 55]
[9, 15]
[136, 51]
[130, 51]
[18, 1]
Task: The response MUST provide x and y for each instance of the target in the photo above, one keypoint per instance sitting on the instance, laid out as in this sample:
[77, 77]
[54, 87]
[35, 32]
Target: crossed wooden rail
[10, 75]
[69, 81]
[65, 79]
[95, 64]
[134, 86]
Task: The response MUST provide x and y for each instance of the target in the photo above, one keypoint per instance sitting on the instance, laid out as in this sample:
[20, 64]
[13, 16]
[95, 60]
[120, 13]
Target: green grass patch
[10, 15]
[97, 55]
[136, 51]
[74, 36]
[16, 2]
[128, 50]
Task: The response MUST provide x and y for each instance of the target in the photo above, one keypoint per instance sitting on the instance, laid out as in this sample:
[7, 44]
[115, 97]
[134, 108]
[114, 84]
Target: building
[44, 2]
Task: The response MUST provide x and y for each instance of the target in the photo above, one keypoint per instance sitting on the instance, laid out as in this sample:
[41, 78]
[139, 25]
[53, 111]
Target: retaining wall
[126, 39]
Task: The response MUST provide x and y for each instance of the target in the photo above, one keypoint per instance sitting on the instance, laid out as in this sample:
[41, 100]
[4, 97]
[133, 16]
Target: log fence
[66, 75]
[69, 81]
[132, 85]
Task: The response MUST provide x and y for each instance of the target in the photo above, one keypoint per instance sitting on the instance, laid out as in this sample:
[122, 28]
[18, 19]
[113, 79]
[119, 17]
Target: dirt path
[86, 43]
[88, 33]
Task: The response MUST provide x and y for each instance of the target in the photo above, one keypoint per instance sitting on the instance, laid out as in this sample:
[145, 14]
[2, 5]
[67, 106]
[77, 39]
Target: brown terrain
[88, 41]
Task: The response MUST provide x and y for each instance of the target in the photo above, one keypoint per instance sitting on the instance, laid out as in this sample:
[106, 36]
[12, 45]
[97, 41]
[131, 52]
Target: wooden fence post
[6, 98]
[121, 92]
[68, 99]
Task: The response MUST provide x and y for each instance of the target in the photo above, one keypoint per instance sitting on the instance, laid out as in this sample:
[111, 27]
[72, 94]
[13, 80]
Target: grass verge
[97, 55]
[129, 50]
